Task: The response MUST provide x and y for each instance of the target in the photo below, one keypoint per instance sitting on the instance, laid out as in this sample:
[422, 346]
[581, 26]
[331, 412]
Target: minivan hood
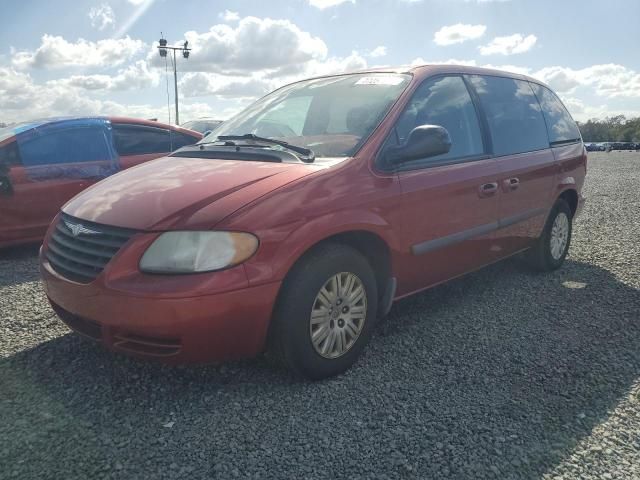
[174, 192]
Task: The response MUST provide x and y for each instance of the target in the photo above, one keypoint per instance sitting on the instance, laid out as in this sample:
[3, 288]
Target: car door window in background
[444, 101]
[179, 140]
[513, 113]
[561, 127]
[74, 152]
[140, 140]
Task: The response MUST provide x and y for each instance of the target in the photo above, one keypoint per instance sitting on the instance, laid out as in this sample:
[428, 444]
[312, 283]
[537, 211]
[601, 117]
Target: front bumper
[203, 328]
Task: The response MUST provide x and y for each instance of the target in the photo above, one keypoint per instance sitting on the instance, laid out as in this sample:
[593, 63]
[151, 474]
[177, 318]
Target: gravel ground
[501, 374]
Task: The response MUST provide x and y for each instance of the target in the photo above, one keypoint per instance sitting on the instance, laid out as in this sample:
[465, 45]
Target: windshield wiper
[308, 155]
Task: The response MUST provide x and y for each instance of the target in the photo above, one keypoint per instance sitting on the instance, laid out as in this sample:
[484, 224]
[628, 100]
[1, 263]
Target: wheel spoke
[340, 343]
[319, 317]
[319, 335]
[325, 297]
[356, 295]
[351, 329]
[348, 285]
[328, 343]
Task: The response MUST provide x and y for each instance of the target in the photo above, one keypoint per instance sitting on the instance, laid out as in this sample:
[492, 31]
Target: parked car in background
[44, 163]
[297, 223]
[593, 147]
[202, 125]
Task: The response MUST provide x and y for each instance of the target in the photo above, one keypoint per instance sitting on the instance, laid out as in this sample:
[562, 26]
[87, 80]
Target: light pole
[162, 49]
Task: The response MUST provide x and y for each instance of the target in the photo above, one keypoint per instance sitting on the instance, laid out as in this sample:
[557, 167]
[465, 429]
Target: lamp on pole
[163, 50]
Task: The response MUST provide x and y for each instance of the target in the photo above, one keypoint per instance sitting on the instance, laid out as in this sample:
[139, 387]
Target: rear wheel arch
[571, 197]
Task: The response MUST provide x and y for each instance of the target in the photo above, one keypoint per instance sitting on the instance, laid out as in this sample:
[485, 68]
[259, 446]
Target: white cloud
[379, 51]
[136, 76]
[22, 99]
[255, 44]
[137, 2]
[452, 61]
[102, 16]
[56, 52]
[509, 45]
[458, 33]
[196, 84]
[229, 16]
[322, 4]
[333, 65]
[607, 80]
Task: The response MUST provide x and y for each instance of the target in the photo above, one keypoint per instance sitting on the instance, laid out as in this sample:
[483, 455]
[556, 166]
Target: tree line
[611, 129]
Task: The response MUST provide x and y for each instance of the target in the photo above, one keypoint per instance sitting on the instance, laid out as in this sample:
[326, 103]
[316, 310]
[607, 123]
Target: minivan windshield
[331, 115]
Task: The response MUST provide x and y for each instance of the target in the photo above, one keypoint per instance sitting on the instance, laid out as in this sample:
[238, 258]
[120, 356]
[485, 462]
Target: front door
[450, 202]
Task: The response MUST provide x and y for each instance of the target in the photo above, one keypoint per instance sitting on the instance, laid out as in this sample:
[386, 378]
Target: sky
[99, 57]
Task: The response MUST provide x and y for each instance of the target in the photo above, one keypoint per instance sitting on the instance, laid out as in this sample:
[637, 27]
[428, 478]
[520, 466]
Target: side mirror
[423, 141]
[206, 133]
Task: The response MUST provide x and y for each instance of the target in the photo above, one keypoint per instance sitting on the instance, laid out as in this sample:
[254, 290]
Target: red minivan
[296, 224]
[44, 163]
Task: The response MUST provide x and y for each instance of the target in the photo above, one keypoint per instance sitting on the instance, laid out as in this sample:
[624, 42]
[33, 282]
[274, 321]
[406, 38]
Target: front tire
[550, 250]
[325, 312]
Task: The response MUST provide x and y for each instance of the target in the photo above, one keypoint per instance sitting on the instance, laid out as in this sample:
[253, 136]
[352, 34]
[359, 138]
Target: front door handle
[510, 184]
[488, 189]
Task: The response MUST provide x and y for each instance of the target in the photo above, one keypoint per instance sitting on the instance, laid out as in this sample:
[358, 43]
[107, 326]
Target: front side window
[64, 146]
[513, 113]
[445, 102]
[140, 140]
[561, 127]
[330, 115]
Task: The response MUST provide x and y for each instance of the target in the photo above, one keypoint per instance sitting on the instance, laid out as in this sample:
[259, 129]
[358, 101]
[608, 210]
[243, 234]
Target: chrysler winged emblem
[77, 229]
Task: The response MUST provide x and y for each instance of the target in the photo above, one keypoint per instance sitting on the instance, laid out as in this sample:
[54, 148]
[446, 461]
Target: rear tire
[552, 246]
[325, 312]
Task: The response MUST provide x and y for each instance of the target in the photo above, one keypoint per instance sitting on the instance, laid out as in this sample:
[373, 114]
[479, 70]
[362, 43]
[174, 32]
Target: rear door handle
[488, 189]
[510, 184]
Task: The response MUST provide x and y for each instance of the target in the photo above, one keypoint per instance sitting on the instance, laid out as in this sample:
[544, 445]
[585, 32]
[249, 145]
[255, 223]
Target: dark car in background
[593, 147]
[202, 125]
[45, 163]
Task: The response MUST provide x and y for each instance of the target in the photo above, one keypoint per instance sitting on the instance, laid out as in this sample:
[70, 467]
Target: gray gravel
[502, 374]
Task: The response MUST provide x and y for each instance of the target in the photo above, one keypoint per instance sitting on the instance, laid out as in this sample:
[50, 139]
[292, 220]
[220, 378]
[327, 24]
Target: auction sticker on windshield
[381, 80]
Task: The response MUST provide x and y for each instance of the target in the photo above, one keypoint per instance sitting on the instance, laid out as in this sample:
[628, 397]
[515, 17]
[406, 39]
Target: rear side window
[561, 127]
[444, 101]
[140, 140]
[513, 113]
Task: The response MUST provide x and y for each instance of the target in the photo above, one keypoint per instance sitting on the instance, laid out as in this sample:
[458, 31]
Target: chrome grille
[79, 250]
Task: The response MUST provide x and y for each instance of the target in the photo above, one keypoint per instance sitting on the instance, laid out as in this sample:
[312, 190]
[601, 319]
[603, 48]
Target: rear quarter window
[140, 140]
[179, 140]
[513, 113]
[560, 125]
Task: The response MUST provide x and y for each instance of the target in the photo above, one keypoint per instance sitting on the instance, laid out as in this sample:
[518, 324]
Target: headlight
[190, 252]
